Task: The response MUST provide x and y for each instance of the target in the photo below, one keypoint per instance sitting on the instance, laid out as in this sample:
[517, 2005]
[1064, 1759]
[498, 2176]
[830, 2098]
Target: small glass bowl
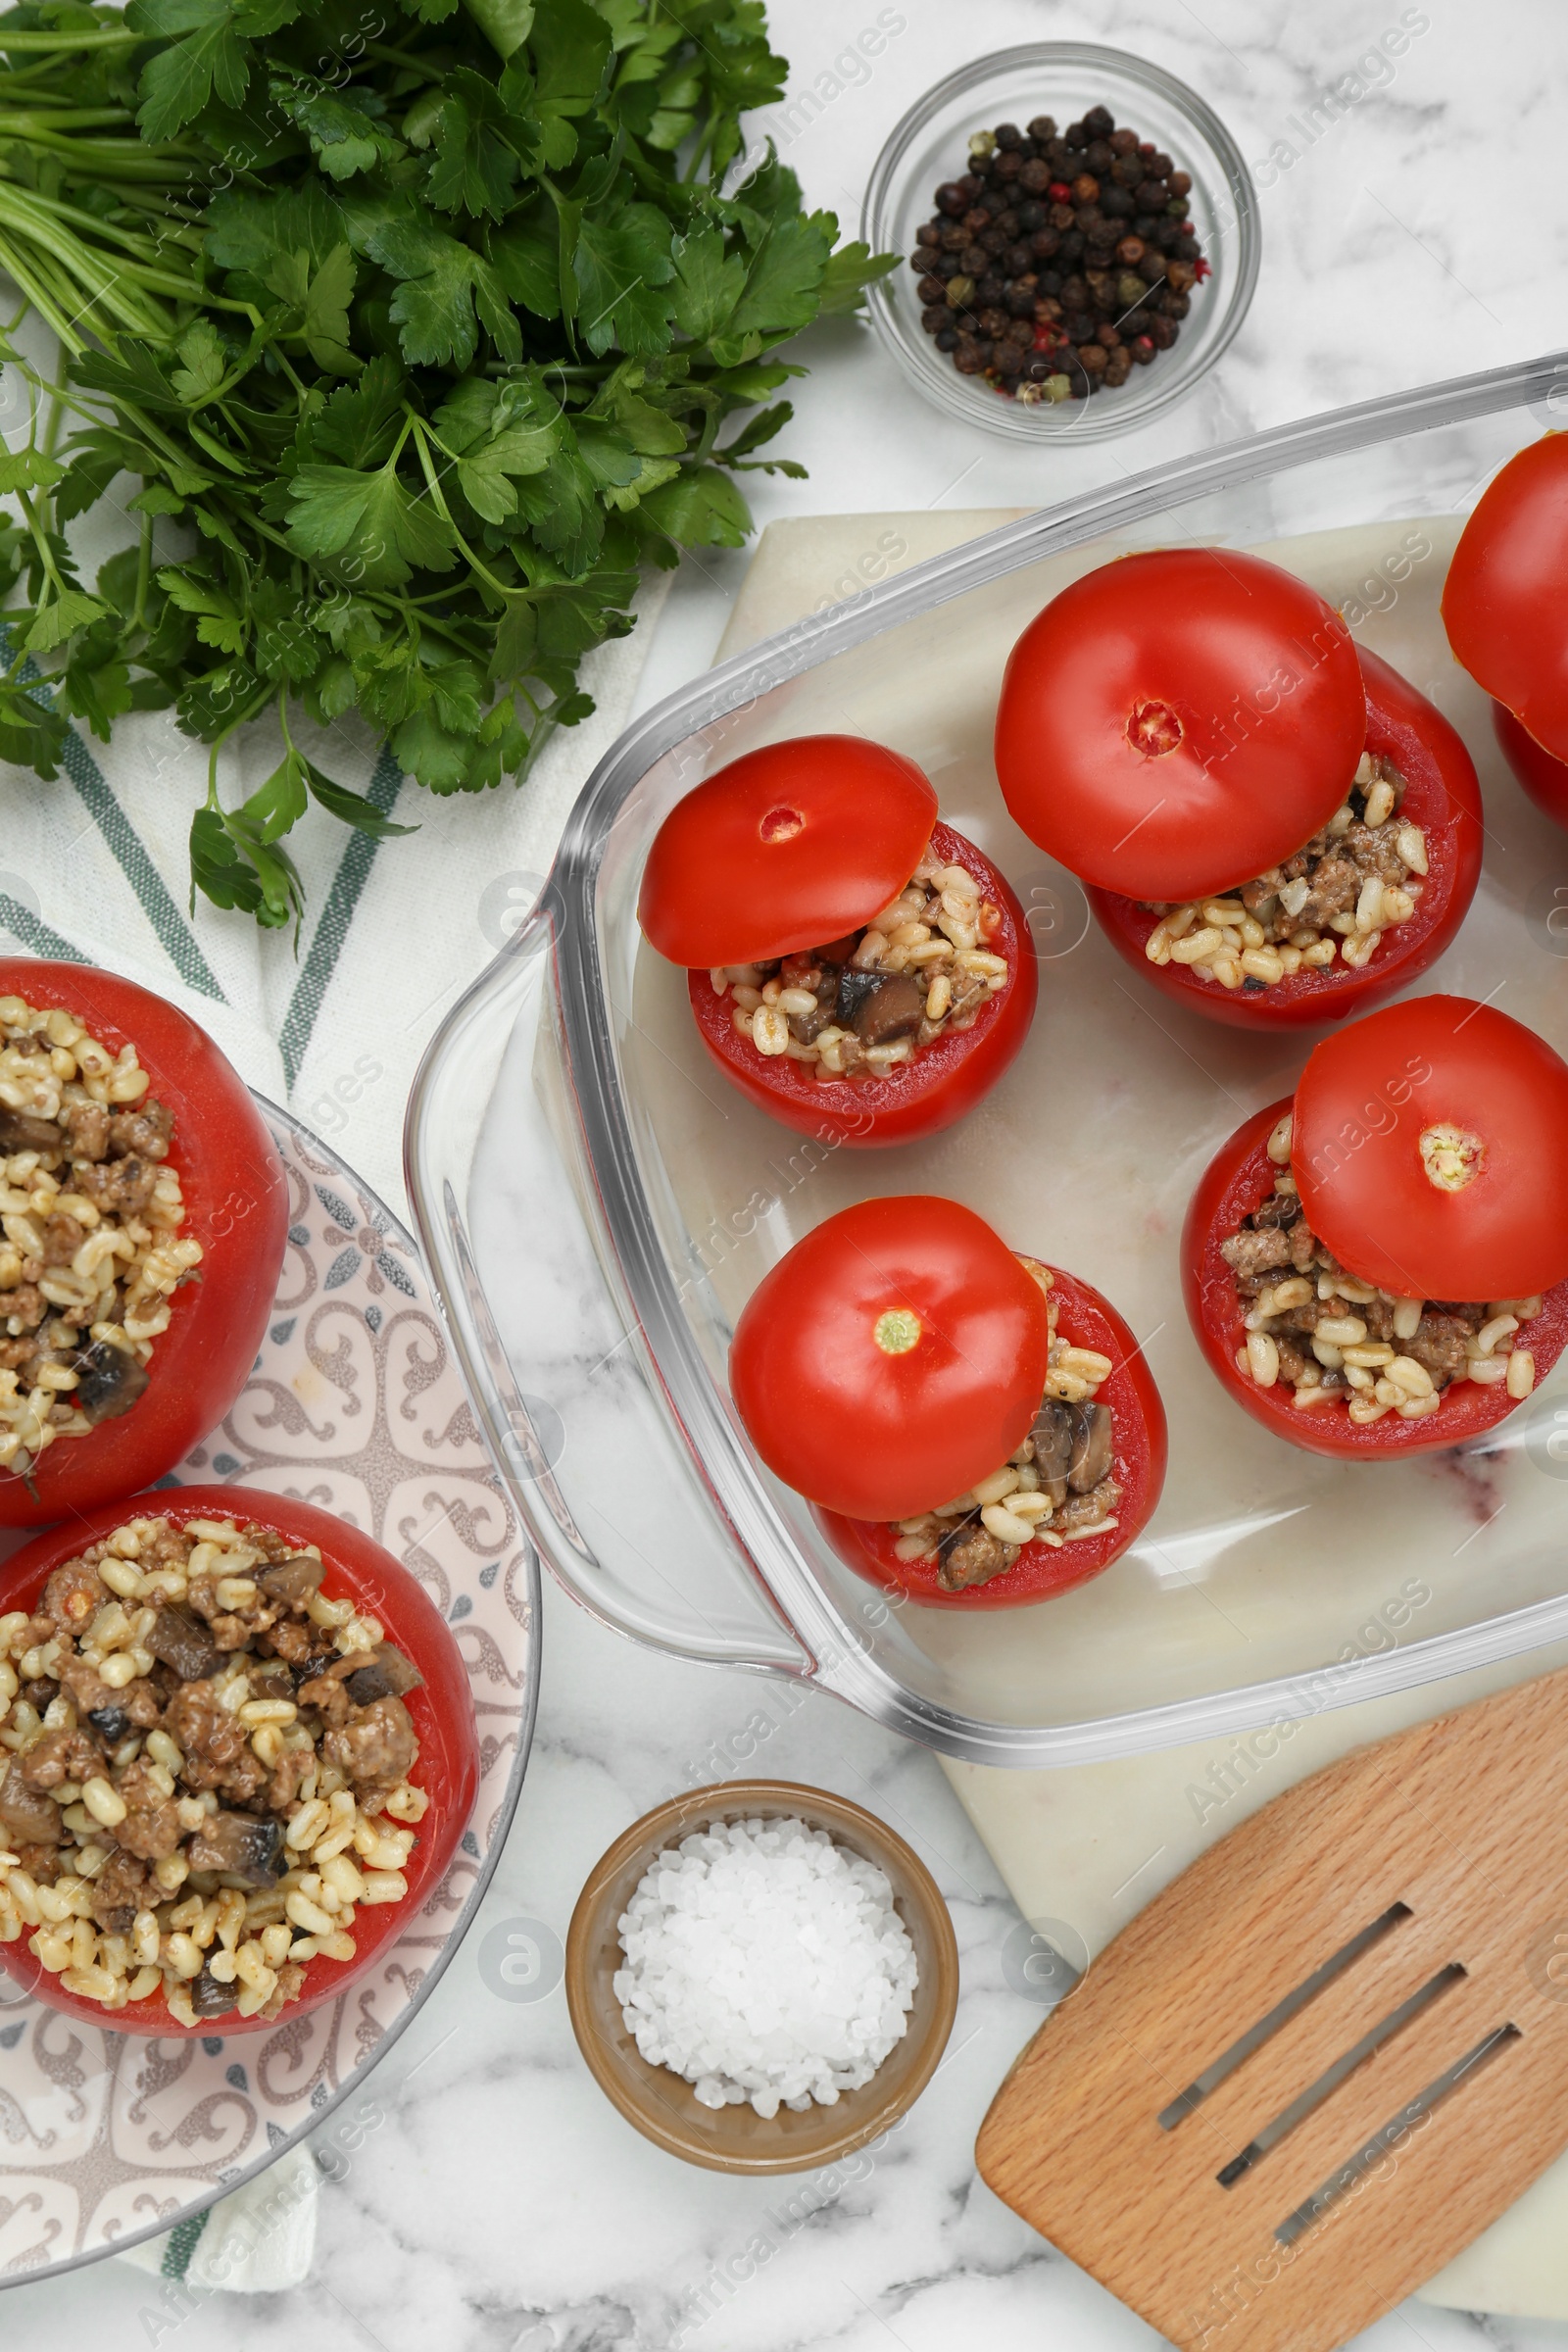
[658, 2103]
[1063, 78]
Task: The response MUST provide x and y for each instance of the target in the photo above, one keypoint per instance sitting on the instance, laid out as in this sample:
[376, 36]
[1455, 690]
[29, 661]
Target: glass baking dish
[597, 1203]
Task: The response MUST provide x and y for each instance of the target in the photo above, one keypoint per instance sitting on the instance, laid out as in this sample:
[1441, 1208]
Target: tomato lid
[895, 1356]
[1429, 1142]
[1179, 722]
[1505, 602]
[788, 847]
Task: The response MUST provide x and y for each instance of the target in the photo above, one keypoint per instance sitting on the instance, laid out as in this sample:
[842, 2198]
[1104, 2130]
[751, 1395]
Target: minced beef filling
[859, 1005]
[1055, 1487]
[1361, 876]
[204, 1770]
[1341, 1344]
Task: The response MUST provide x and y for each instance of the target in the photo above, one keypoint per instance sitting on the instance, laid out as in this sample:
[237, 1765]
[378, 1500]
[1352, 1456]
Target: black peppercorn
[1071, 248]
[1161, 332]
[1007, 134]
[994, 239]
[1150, 195]
[1099, 121]
[1187, 249]
[1115, 203]
[993, 320]
[1043, 128]
[1018, 261]
[1021, 301]
[1122, 142]
[975, 260]
[1175, 305]
[1049, 281]
[935, 318]
[1080, 325]
[1128, 171]
[977, 218]
[966, 357]
[929, 233]
[950, 198]
[1160, 167]
[1179, 182]
[932, 289]
[1031, 215]
[991, 288]
[1075, 135]
[1044, 244]
[1098, 157]
[948, 339]
[1035, 176]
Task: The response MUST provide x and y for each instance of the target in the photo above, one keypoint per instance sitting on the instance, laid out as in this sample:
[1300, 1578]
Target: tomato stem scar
[781, 824]
[898, 1329]
[1452, 1156]
[1153, 728]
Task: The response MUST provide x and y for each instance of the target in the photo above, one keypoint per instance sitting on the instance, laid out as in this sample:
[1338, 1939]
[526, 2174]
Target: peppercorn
[1057, 263]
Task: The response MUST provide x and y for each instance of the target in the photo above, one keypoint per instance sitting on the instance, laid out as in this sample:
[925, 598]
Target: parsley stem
[144, 573]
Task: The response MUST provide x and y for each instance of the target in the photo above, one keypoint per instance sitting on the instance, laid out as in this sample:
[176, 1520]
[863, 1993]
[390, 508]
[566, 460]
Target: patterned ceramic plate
[355, 1404]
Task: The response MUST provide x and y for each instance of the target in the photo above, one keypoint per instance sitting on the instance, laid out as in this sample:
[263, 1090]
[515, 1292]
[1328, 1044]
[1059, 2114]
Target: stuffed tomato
[859, 969]
[1543, 777]
[1506, 599]
[237, 1751]
[973, 1427]
[143, 1216]
[1276, 829]
[1377, 1266]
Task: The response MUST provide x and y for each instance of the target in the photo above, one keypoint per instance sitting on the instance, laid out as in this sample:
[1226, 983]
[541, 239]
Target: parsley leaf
[370, 530]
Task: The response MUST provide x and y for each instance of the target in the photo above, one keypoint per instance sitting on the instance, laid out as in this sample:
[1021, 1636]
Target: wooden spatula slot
[1280, 2016]
[1307, 2101]
[1349, 2142]
[1382, 2142]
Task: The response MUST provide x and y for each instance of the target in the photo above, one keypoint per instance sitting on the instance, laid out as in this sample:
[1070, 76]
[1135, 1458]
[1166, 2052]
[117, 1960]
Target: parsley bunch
[418, 326]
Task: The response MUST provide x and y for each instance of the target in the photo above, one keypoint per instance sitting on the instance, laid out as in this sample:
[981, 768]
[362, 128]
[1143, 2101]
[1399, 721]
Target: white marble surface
[500, 2205]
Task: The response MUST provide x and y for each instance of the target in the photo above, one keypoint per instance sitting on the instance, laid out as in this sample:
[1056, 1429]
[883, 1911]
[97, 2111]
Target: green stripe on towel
[183, 2239]
[332, 930]
[35, 936]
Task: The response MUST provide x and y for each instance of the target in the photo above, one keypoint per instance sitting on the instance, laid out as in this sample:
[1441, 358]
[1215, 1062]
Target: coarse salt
[766, 1963]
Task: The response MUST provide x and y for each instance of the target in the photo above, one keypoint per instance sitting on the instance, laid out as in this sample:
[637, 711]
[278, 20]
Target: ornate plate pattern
[355, 1404]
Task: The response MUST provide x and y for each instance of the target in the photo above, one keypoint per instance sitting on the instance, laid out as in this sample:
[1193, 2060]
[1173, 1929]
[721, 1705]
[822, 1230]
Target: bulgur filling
[862, 1005]
[1361, 876]
[1055, 1489]
[204, 1770]
[1313, 1327]
[90, 1212]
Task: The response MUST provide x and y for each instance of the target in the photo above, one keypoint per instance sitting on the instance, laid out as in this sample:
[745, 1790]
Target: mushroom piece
[19, 1133]
[240, 1845]
[209, 1998]
[293, 1578]
[109, 1381]
[1052, 1438]
[182, 1641]
[389, 1674]
[111, 1724]
[881, 1006]
[1090, 1446]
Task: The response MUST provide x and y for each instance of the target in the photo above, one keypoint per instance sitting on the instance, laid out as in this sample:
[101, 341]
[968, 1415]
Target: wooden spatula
[1326, 2057]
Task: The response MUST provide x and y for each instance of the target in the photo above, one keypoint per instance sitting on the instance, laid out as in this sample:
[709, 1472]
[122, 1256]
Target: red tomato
[1374, 1109]
[1544, 778]
[1506, 599]
[1175, 722]
[448, 1766]
[946, 1079]
[1237, 1181]
[236, 1205]
[896, 1354]
[1443, 797]
[786, 847]
[1039, 1573]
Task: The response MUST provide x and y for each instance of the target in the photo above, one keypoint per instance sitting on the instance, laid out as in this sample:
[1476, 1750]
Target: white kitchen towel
[260, 2241]
[95, 867]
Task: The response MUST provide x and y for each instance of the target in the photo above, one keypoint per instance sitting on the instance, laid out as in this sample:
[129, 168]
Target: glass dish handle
[493, 1067]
